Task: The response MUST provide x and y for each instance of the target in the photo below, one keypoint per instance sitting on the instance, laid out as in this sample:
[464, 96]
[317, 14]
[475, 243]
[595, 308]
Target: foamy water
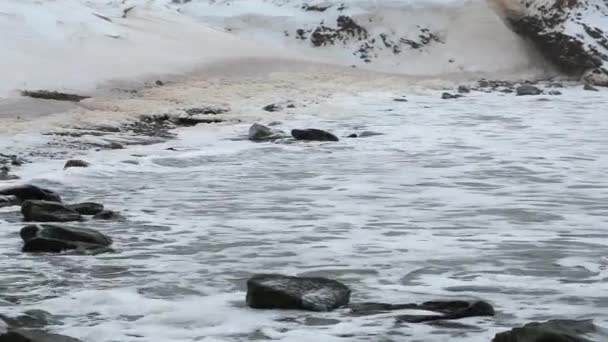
[491, 196]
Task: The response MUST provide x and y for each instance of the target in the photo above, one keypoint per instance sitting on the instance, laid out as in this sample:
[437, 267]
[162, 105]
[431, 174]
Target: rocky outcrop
[275, 291]
[45, 211]
[528, 90]
[54, 238]
[570, 33]
[31, 192]
[313, 134]
[551, 331]
[87, 208]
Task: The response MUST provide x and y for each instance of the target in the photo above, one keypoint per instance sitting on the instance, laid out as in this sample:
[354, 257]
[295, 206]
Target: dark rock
[528, 90]
[550, 331]
[159, 83]
[109, 215]
[87, 208]
[31, 319]
[448, 96]
[259, 132]
[46, 211]
[75, 163]
[291, 105]
[446, 310]
[21, 335]
[206, 111]
[316, 8]
[116, 146]
[464, 89]
[313, 134]
[272, 108]
[275, 291]
[189, 121]
[555, 92]
[31, 192]
[53, 95]
[364, 134]
[589, 87]
[55, 238]
[7, 201]
[400, 99]
[354, 135]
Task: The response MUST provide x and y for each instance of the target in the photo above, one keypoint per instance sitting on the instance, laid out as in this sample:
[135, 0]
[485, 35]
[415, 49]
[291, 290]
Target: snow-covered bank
[75, 45]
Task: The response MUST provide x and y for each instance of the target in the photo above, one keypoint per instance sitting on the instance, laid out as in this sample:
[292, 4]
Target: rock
[116, 146]
[87, 208]
[354, 135]
[463, 89]
[528, 90]
[55, 238]
[446, 310]
[272, 107]
[46, 211]
[275, 291]
[31, 319]
[7, 201]
[108, 215]
[555, 92]
[399, 99]
[259, 132]
[159, 83]
[589, 87]
[550, 331]
[31, 192]
[22, 335]
[570, 33]
[53, 95]
[448, 96]
[364, 134]
[75, 163]
[313, 134]
[207, 110]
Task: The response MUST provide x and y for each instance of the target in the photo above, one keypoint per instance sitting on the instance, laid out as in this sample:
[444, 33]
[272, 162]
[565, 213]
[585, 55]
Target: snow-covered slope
[569, 32]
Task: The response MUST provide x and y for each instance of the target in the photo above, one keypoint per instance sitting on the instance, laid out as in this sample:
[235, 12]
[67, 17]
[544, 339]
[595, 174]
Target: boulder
[275, 291]
[570, 33]
[445, 310]
[75, 163]
[273, 107]
[259, 132]
[313, 134]
[55, 238]
[87, 208]
[31, 192]
[589, 87]
[552, 331]
[7, 201]
[528, 90]
[45, 211]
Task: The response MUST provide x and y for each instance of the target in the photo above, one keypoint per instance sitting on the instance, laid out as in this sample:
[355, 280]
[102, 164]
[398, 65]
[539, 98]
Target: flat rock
[448, 96]
[87, 208]
[53, 95]
[56, 238]
[31, 192]
[445, 310]
[313, 134]
[552, 331]
[45, 211]
[275, 291]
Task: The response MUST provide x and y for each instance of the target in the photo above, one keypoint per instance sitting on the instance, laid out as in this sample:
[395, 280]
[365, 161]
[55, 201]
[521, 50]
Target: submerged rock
[87, 208]
[528, 90]
[273, 107]
[550, 331]
[31, 192]
[109, 215]
[445, 310]
[45, 211]
[75, 163]
[259, 132]
[448, 96]
[53, 95]
[55, 238]
[7, 201]
[313, 134]
[275, 291]
[570, 33]
[22, 335]
[463, 89]
[589, 87]
[364, 134]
